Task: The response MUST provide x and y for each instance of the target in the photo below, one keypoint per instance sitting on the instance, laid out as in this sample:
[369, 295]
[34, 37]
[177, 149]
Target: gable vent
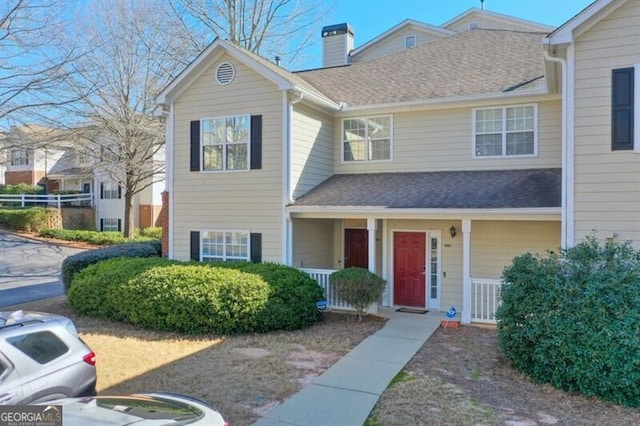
[225, 73]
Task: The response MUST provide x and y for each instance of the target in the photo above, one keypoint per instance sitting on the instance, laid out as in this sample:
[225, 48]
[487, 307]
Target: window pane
[354, 151]
[520, 143]
[380, 149]
[379, 128]
[237, 246]
[489, 120]
[488, 145]
[238, 129]
[354, 130]
[42, 347]
[237, 157]
[212, 157]
[213, 245]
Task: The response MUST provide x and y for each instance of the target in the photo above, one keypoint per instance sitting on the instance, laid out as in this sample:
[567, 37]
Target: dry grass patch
[242, 376]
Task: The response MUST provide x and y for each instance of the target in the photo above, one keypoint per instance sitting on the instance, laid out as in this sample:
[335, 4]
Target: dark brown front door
[409, 269]
[356, 248]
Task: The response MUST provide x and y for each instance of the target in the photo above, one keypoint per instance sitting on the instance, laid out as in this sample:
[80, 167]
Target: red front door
[356, 248]
[409, 269]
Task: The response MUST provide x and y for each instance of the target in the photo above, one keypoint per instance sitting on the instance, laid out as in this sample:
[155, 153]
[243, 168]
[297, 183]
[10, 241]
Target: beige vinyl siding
[443, 140]
[451, 262]
[235, 201]
[491, 23]
[393, 43]
[313, 243]
[607, 183]
[335, 49]
[312, 152]
[494, 244]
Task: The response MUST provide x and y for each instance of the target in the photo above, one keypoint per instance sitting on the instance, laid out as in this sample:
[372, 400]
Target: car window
[3, 368]
[42, 347]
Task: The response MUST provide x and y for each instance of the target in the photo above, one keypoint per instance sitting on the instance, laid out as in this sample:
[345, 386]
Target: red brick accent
[14, 178]
[164, 223]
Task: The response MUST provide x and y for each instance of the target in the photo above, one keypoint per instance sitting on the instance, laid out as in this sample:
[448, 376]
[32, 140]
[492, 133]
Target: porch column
[466, 271]
[371, 234]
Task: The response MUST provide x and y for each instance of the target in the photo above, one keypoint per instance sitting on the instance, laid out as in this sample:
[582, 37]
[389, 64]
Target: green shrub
[572, 319]
[171, 296]
[293, 295]
[358, 287]
[151, 232]
[22, 188]
[104, 238]
[75, 263]
[31, 219]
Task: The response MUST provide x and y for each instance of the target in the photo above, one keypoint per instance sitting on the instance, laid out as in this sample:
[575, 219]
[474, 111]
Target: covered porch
[432, 256]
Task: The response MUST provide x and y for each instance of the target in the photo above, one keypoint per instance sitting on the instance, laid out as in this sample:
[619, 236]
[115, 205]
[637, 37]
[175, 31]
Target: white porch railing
[322, 277]
[485, 299]
[83, 199]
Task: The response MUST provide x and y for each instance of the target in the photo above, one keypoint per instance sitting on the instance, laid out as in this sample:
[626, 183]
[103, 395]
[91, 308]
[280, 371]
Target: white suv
[43, 358]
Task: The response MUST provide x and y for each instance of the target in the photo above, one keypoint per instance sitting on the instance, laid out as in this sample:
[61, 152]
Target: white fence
[485, 295]
[49, 200]
[485, 299]
[322, 277]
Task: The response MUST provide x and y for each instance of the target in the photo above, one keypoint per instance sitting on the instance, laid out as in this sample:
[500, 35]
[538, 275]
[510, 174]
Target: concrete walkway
[345, 394]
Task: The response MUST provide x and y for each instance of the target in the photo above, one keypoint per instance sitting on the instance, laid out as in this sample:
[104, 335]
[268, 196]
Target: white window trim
[224, 151]
[225, 258]
[504, 132]
[366, 160]
[104, 224]
[108, 187]
[407, 38]
[21, 159]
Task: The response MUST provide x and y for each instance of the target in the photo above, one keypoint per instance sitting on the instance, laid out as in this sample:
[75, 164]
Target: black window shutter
[119, 225]
[119, 193]
[101, 190]
[256, 247]
[195, 146]
[622, 109]
[256, 142]
[195, 245]
[101, 225]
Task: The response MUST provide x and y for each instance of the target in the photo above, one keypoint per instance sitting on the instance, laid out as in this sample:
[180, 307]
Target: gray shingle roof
[485, 189]
[476, 62]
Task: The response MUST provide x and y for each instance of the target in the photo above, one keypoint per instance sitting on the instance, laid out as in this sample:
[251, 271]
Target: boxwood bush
[76, 262]
[572, 319]
[101, 238]
[293, 295]
[169, 296]
[359, 287]
[24, 219]
[197, 297]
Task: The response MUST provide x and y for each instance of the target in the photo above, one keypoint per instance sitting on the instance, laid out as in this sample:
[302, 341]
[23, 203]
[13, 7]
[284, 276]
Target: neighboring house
[73, 167]
[432, 166]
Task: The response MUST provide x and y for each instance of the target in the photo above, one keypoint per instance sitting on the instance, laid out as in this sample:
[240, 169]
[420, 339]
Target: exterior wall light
[452, 231]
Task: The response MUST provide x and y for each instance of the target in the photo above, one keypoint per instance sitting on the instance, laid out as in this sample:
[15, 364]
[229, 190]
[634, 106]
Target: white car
[143, 409]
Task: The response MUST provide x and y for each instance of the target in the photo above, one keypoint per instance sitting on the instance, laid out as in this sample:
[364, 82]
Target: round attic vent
[225, 73]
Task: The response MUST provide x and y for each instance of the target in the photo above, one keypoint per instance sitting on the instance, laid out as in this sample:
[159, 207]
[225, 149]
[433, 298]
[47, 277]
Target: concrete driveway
[29, 269]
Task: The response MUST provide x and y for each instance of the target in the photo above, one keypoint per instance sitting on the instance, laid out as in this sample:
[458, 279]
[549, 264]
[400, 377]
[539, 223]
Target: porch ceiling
[474, 191]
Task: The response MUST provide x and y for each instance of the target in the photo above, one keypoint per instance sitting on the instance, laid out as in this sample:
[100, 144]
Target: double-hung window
[225, 246]
[225, 143]
[367, 139]
[110, 224]
[109, 190]
[505, 131]
[19, 157]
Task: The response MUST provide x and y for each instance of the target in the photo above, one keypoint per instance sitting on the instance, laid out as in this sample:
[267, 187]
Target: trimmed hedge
[76, 262]
[102, 238]
[572, 319]
[197, 298]
[31, 219]
[168, 296]
[293, 295]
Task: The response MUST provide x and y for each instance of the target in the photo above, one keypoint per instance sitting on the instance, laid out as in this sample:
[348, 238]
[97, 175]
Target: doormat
[412, 310]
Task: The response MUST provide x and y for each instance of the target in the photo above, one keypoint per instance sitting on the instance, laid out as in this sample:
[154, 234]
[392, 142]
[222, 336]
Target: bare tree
[268, 28]
[130, 54]
[31, 63]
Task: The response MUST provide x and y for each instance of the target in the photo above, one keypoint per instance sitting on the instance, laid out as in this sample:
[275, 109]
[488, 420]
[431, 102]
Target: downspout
[565, 240]
[287, 187]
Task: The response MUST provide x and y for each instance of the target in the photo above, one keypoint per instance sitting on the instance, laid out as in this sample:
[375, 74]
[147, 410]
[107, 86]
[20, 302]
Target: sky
[369, 18]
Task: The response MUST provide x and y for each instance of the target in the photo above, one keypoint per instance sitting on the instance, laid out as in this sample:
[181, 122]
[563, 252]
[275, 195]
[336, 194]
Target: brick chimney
[337, 43]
